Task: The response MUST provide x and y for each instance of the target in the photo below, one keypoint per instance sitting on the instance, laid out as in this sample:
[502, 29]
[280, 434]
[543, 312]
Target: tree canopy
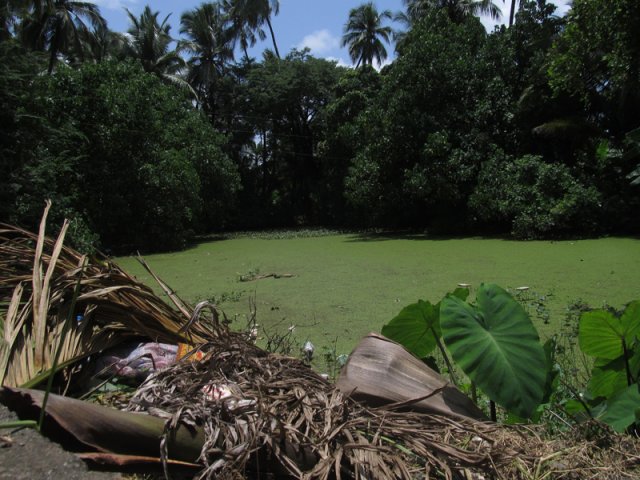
[530, 130]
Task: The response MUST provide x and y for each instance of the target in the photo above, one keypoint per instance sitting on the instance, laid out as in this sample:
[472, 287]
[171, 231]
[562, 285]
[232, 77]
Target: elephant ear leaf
[498, 347]
[630, 321]
[602, 334]
[621, 410]
[416, 327]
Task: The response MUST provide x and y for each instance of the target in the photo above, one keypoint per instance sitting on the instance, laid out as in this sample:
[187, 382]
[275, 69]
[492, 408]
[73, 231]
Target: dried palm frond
[283, 419]
[37, 280]
[265, 415]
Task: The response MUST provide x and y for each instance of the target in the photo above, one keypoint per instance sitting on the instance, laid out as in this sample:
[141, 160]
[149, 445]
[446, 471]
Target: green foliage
[597, 60]
[416, 327]
[530, 129]
[419, 145]
[116, 150]
[355, 91]
[60, 27]
[496, 345]
[622, 408]
[364, 33]
[149, 42]
[285, 101]
[604, 335]
[18, 68]
[613, 339]
[536, 199]
[493, 342]
[607, 377]
[632, 155]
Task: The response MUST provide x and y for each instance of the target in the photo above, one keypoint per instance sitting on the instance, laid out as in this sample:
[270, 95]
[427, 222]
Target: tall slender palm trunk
[53, 53]
[273, 37]
[513, 12]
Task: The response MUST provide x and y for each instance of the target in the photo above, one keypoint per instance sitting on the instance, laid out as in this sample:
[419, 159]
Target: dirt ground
[25, 454]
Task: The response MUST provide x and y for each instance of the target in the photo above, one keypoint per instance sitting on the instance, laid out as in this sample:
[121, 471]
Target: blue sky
[316, 24]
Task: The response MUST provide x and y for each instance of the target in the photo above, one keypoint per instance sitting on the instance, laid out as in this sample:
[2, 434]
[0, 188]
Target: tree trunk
[53, 48]
[273, 37]
[513, 12]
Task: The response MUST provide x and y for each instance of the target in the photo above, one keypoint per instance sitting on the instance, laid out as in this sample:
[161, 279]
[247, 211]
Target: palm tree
[208, 44]
[149, 42]
[363, 34]
[513, 11]
[240, 30]
[105, 43]
[57, 26]
[249, 16]
[10, 11]
[457, 10]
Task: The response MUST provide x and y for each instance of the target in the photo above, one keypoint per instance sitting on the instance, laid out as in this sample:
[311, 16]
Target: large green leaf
[621, 409]
[608, 377]
[498, 347]
[415, 328]
[553, 371]
[601, 333]
[630, 321]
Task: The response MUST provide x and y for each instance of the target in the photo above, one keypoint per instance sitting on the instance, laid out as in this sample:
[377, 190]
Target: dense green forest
[146, 139]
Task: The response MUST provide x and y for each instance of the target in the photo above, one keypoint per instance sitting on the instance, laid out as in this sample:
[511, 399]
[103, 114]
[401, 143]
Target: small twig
[559, 418]
[578, 397]
[251, 278]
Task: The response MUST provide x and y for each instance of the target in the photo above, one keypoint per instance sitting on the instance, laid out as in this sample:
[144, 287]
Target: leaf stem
[625, 351]
[445, 356]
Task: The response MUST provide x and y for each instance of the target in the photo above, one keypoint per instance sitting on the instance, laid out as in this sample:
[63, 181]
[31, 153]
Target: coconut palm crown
[364, 34]
[59, 26]
[149, 41]
[208, 44]
[457, 10]
[247, 18]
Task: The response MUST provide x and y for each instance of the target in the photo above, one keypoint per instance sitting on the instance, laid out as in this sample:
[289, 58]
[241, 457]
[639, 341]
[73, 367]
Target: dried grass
[280, 419]
[283, 420]
[37, 280]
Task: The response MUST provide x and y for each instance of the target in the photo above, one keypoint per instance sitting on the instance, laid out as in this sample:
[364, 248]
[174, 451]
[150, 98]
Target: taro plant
[493, 341]
[417, 328]
[612, 393]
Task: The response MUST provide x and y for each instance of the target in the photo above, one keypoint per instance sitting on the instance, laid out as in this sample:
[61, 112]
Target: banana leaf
[103, 429]
[381, 372]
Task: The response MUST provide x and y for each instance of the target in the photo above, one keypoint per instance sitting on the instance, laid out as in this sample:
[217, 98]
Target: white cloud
[380, 66]
[342, 63]
[113, 4]
[339, 61]
[320, 42]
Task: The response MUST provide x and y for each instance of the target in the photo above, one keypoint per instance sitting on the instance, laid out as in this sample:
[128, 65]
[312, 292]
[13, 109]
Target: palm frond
[37, 278]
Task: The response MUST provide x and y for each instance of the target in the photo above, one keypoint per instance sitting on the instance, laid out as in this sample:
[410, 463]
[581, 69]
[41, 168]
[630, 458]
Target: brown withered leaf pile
[268, 416]
[264, 415]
